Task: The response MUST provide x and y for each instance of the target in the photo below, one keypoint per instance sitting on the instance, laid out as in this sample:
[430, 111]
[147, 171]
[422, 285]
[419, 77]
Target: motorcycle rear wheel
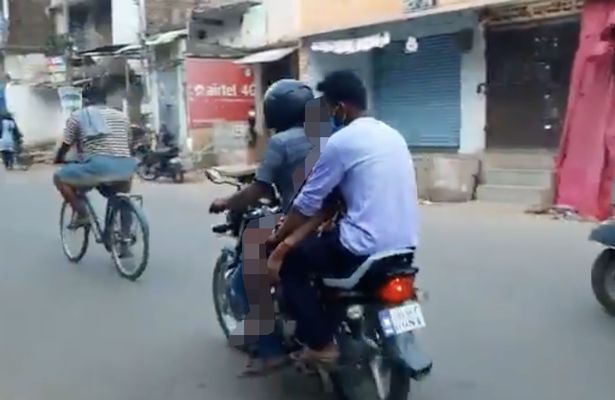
[603, 280]
[360, 384]
[146, 172]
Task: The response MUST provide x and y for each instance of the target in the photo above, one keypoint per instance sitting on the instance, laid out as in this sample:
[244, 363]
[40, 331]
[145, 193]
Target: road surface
[510, 314]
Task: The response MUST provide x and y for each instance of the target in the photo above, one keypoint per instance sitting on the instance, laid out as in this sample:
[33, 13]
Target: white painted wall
[473, 66]
[125, 15]
[473, 105]
[272, 22]
[36, 111]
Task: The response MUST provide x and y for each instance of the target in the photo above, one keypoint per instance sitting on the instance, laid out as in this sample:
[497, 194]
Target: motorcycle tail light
[397, 290]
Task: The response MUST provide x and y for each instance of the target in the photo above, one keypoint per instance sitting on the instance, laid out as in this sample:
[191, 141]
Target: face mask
[335, 125]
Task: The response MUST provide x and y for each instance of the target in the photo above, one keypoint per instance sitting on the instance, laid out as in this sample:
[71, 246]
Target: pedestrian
[10, 140]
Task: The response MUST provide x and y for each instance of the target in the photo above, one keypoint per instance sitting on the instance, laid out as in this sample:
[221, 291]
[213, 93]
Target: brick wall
[166, 15]
[30, 27]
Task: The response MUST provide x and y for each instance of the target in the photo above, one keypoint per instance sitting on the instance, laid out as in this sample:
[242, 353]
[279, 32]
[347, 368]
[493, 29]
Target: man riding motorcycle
[284, 110]
[369, 163]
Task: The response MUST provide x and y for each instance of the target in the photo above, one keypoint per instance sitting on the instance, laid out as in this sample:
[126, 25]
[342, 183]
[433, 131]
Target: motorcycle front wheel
[224, 312]
[146, 172]
[603, 280]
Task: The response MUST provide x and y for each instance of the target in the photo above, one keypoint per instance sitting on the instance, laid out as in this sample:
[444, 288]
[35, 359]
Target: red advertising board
[218, 90]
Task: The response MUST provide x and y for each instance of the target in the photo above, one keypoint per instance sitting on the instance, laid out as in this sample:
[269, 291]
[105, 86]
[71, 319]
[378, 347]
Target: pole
[68, 49]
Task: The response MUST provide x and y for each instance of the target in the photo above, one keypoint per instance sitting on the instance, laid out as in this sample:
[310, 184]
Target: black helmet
[285, 102]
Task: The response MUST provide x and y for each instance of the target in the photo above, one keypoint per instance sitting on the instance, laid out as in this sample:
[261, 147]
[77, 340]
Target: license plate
[402, 319]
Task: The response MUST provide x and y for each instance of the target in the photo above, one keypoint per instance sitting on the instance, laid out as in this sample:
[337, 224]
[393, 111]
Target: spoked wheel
[129, 239]
[226, 317]
[603, 280]
[74, 241]
[146, 172]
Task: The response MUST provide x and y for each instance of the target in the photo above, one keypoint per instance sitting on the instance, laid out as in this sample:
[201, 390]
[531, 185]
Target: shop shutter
[419, 93]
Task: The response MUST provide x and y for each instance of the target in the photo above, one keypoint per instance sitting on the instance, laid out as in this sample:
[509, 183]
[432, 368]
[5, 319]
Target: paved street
[510, 314]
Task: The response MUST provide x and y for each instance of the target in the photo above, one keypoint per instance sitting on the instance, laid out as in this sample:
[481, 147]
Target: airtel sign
[218, 90]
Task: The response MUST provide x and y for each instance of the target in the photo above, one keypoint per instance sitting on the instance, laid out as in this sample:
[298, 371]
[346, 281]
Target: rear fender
[404, 349]
[604, 234]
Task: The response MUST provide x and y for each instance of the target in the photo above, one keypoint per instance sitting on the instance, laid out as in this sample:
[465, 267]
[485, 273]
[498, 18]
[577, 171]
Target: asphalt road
[510, 313]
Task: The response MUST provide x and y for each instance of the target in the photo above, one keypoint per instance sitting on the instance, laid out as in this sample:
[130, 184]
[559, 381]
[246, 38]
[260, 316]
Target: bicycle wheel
[74, 241]
[128, 230]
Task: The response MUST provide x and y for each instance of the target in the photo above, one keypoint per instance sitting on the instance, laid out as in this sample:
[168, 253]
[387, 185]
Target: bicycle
[121, 210]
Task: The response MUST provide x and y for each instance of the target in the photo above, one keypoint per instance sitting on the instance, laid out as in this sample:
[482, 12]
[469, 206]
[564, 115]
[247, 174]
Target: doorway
[528, 77]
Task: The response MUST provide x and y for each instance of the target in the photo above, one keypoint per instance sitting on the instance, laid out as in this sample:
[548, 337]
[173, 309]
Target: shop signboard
[218, 90]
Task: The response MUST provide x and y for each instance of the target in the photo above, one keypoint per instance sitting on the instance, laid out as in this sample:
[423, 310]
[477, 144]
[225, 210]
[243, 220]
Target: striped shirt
[116, 143]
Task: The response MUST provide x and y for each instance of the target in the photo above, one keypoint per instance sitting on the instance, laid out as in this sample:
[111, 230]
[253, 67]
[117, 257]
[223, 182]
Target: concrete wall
[271, 22]
[30, 27]
[327, 15]
[473, 73]
[320, 16]
[473, 104]
[125, 15]
[166, 15]
[36, 111]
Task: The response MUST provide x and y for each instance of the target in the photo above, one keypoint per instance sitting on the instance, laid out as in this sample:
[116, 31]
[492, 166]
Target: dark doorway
[528, 76]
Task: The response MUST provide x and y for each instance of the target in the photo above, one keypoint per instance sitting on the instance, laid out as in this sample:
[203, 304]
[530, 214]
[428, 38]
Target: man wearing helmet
[284, 108]
[101, 135]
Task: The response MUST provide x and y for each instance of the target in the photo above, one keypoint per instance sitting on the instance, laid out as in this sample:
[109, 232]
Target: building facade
[471, 78]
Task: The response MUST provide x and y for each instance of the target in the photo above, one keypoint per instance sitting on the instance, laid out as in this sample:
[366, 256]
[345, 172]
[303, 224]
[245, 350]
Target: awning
[351, 46]
[166, 37]
[266, 56]
[102, 50]
[204, 11]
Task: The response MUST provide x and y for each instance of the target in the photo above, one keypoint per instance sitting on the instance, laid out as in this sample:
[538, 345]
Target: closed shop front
[419, 93]
[529, 64]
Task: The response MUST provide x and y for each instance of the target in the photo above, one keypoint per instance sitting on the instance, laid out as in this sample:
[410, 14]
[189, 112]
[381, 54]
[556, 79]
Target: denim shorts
[96, 170]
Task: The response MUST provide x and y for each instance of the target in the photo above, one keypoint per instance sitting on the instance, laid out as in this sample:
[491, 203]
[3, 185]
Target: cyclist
[102, 137]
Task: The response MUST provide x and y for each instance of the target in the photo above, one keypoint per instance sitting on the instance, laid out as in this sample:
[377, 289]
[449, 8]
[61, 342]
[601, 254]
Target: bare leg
[70, 195]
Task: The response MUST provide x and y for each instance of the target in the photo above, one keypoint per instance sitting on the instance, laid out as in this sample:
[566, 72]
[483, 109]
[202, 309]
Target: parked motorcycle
[154, 164]
[603, 271]
[376, 317]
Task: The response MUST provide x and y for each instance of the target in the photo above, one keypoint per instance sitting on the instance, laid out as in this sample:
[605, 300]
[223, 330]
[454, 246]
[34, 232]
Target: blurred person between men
[368, 162]
[284, 109]
[102, 137]
[10, 140]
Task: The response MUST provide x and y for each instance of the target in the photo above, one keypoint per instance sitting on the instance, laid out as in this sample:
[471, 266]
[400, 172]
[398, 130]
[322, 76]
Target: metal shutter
[419, 93]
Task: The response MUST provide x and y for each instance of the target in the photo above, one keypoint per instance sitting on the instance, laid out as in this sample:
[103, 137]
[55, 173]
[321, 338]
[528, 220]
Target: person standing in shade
[10, 140]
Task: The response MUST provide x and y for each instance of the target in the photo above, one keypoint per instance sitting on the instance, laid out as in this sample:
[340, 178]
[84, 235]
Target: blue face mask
[335, 125]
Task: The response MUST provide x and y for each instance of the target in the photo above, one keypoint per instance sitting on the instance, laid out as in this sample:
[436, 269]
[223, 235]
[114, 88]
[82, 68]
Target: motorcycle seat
[236, 171]
[382, 263]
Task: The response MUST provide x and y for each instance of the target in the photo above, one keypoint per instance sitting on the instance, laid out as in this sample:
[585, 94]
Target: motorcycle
[377, 312]
[154, 164]
[603, 270]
